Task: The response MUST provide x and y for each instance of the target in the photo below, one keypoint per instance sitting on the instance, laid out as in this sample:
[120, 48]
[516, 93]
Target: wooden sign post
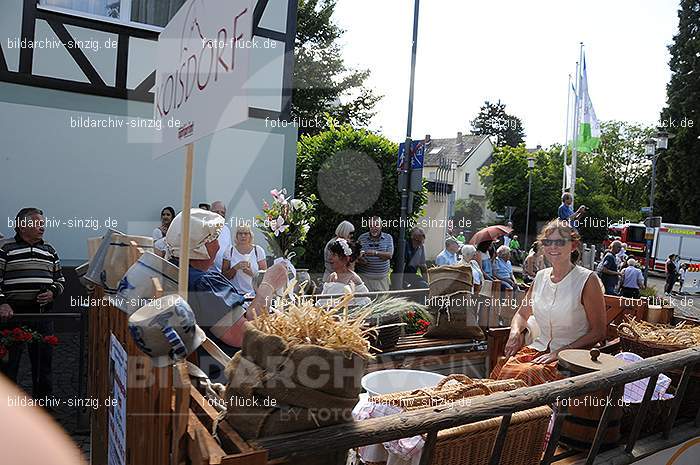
[183, 275]
[200, 86]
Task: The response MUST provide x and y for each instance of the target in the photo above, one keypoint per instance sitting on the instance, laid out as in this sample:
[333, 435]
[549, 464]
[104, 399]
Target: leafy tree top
[493, 120]
[678, 170]
[323, 84]
[352, 173]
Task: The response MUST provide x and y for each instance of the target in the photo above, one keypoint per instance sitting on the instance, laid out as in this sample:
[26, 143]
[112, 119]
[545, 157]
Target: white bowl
[388, 381]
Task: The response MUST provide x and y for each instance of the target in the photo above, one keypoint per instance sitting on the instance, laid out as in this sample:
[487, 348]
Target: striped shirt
[26, 270]
[375, 267]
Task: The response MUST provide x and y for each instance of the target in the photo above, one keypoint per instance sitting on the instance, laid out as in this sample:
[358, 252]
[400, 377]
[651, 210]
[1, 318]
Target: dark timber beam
[77, 54]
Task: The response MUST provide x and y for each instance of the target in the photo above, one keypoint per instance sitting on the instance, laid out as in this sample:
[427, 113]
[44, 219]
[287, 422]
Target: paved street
[686, 306]
[65, 371]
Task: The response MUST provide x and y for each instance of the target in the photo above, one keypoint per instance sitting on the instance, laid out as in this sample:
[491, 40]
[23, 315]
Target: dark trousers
[670, 281]
[40, 357]
[413, 281]
[631, 292]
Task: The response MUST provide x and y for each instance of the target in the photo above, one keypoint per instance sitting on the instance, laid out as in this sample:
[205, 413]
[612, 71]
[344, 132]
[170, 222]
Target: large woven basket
[472, 444]
[631, 342]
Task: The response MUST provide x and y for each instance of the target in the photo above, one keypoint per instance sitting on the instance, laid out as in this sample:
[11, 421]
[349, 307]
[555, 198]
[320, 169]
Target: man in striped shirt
[30, 279]
[377, 250]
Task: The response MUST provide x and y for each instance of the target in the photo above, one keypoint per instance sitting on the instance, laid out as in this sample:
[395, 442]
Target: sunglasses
[557, 242]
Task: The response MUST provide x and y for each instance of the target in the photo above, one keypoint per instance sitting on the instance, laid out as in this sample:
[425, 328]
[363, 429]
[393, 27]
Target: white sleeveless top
[558, 309]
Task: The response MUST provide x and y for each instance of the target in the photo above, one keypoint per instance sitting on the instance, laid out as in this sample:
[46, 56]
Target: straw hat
[205, 226]
[166, 330]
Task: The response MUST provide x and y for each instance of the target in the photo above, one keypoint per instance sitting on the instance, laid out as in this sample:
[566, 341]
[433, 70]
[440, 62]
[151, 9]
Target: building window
[154, 12]
[133, 12]
[431, 176]
[466, 178]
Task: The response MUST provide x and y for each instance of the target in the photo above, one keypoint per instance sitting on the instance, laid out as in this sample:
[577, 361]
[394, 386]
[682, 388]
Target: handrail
[20, 316]
[407, 424]
[399, 293]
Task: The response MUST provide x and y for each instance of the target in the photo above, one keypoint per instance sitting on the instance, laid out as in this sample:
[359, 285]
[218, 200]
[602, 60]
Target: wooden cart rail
[379, 430]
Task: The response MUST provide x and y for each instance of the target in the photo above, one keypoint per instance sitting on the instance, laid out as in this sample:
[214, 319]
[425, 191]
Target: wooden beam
[95, 24]
[679, 394]
[560, 414]
[378, 430]
[497, 449]
[121, 69]
[429, 448]
[184, 258]
[3, 61]
[615, 393]
[26, 54]
[207, 414]
[141, 92]
[641, 414]
[80, 59]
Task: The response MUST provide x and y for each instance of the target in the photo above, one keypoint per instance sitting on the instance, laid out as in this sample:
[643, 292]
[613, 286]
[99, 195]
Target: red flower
[5, 332]
[411, 314]
[20, 335]
[51, 340]
[423, 322]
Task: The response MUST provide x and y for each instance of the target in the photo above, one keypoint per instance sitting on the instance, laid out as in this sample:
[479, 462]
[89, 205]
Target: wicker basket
[472, 444]
[385, 337]
[630, 342]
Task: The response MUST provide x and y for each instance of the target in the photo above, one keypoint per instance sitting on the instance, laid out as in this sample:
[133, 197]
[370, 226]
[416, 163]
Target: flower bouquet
[285, 223]
[417, 322]
[19, 335]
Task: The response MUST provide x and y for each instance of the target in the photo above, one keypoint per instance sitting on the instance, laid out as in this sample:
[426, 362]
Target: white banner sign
[203, 57]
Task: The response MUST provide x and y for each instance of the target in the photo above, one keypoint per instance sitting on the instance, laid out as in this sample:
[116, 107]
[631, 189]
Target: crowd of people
[225, 265]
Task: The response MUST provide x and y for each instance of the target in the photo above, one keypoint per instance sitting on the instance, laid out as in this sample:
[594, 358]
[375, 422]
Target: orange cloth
[519, 366]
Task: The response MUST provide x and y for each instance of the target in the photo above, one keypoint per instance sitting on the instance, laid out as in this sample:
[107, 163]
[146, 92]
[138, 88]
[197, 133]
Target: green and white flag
[589, 130]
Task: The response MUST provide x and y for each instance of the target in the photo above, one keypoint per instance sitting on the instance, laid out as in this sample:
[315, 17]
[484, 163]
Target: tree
[678, 170]
[468, 212]
[352, 173]
[505, 181]
[323, 84]
[625, 172]
[493, 120]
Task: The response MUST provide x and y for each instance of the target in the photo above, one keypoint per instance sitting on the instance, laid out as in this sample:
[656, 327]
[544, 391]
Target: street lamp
[530, 167]
[660, 142]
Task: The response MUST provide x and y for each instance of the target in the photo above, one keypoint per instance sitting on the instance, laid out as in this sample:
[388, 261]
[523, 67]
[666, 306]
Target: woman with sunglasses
[568, 306]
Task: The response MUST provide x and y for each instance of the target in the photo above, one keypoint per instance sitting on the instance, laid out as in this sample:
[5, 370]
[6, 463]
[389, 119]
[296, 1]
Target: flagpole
[574, 151]
[566, 137]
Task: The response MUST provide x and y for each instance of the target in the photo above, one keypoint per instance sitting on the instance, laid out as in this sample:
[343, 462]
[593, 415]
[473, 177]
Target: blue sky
[519, 51]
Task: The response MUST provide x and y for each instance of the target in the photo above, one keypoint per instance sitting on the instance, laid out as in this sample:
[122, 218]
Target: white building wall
[102, 173]
[83, 175]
